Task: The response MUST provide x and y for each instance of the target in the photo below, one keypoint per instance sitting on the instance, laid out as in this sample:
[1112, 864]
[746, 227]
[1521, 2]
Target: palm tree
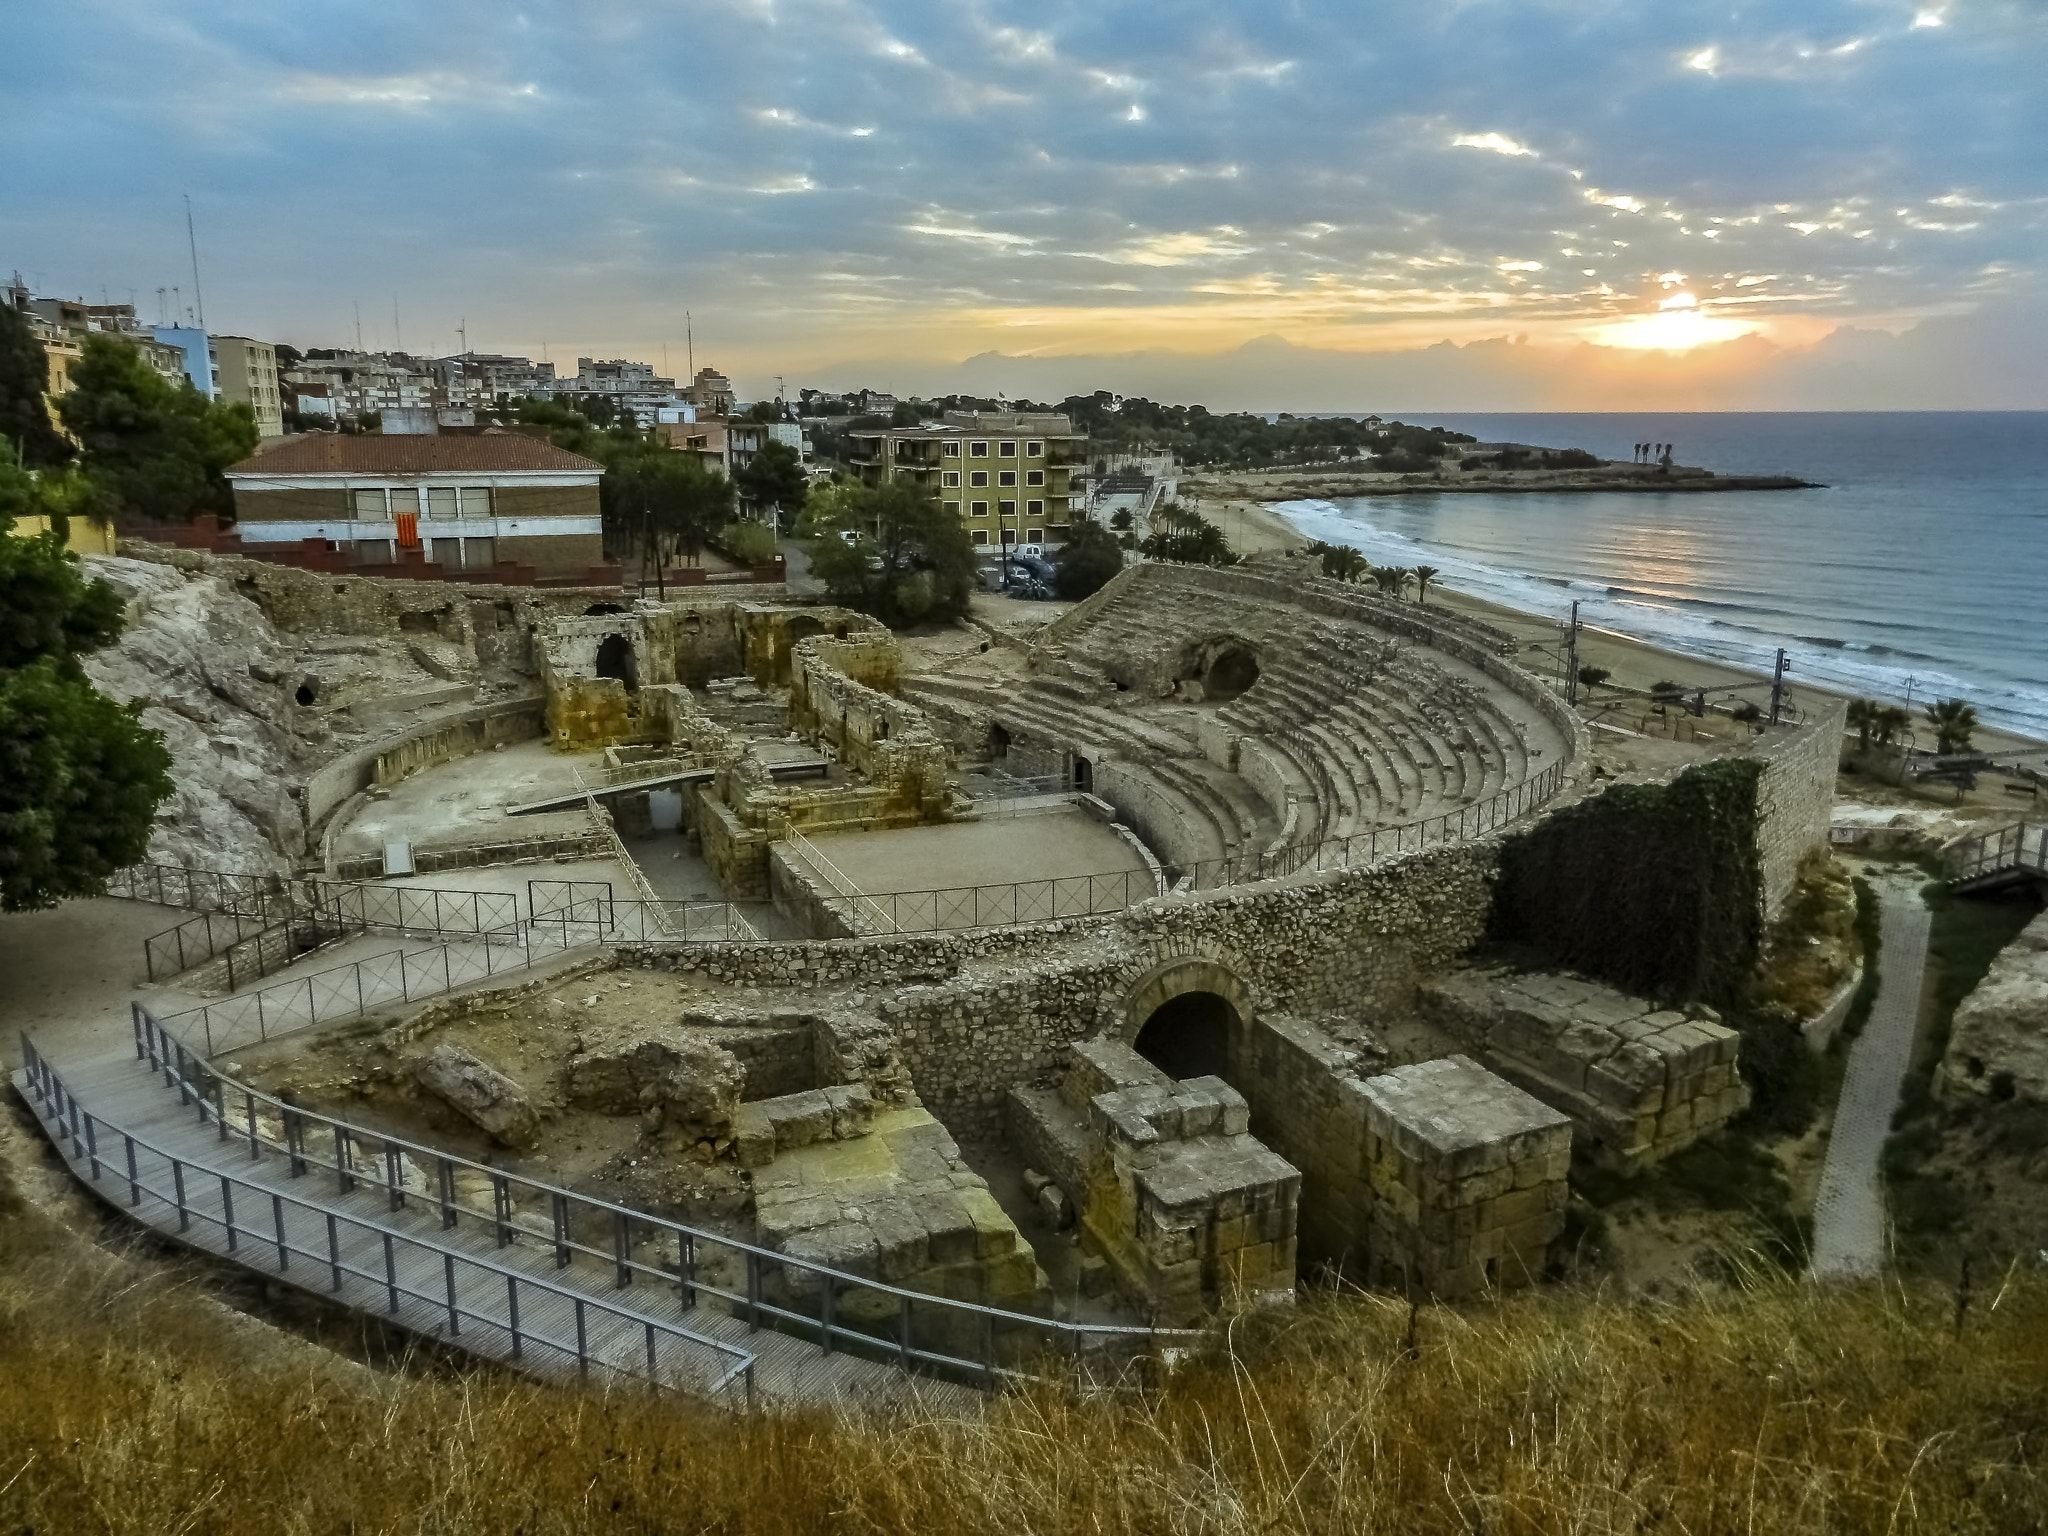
[1424, 575]
[1863, 715]
[1888, 721]
[1954, 723]
[1390, 579]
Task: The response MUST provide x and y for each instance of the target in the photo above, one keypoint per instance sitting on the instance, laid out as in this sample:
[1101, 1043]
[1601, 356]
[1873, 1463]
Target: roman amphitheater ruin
[903, 990]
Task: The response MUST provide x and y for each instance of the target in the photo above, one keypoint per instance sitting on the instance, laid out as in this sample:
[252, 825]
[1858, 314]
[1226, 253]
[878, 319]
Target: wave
[1720, 628]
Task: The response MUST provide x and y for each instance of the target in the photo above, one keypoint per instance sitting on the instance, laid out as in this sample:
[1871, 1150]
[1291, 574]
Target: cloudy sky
[1287, 204]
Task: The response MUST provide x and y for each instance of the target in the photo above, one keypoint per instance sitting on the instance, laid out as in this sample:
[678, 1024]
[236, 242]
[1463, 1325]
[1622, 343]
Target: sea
[1917, 569]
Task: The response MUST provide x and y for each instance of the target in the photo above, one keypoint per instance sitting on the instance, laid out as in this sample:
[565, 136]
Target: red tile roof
[490, 452]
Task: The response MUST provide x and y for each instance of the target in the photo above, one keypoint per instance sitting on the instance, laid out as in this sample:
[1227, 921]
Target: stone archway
[1189, 1017]
[615, 659]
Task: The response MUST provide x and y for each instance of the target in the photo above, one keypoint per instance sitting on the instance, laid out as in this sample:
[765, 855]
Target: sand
[1253, 527]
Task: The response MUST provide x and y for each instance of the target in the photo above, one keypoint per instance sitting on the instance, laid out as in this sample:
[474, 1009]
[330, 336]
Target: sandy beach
[1253, 527]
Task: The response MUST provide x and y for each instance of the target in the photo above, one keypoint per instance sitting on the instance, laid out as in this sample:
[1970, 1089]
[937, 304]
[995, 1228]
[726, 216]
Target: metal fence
[202, 890]
[345, 991]
[841, 1312]
[499, 1310]
[604, 919]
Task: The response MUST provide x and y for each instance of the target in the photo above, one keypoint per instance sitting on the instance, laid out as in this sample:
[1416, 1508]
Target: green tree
[24, 387]
[1342, 563]
[1890, 724]
[1089, 558]
[1392, 579]
[749, 543]
[1954, 724]
[1593, 677]
[1862, 714]
[1182, 535]
[80, 776]
[659, 504]
[890, 551]
[1424, 575]
[157, 449]
[774, 477]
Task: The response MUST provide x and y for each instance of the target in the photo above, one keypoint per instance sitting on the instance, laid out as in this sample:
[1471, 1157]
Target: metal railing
[345, 991]
[602, 919]
[2019, 849]
[860, 910]
[202, 890]
[477, 1305]
[841, 1312]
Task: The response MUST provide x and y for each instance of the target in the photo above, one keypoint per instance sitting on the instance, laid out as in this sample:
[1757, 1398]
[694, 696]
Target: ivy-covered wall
[1656, 888]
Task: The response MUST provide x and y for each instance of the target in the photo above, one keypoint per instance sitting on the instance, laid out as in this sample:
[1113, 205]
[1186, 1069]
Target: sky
[1284, 205]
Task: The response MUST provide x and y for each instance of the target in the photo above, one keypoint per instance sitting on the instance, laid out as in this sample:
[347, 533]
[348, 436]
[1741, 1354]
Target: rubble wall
[1796, 796]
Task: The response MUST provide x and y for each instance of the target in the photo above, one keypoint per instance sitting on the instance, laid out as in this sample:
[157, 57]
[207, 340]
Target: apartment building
[367, 381]
[62, 325]
[635, 390]
[1006, 474]
[718, 444]
[711, 393]
[245, 370]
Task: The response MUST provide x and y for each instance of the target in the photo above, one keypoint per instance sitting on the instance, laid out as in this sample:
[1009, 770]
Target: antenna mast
[359, 324]
[690, 341]
[192, 239]
[397, 343]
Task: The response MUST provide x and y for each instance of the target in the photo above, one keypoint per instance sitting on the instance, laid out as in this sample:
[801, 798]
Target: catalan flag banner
[409, 530]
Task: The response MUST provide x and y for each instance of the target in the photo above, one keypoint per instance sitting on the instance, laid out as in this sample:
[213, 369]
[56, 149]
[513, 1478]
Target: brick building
[466, 503]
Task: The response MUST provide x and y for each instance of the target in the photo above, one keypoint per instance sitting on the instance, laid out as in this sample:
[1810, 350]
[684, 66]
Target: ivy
[1654, 888]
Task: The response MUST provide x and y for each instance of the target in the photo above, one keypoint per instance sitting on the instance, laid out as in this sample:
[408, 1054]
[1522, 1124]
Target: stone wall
[1640, 1082]
[1796, 796]
[1998, 1045]
[978, 1011]
[474, 730]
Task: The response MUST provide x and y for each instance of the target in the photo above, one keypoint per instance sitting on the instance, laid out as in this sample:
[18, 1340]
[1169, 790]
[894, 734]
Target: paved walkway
[434, 1268]
[1848, 1212]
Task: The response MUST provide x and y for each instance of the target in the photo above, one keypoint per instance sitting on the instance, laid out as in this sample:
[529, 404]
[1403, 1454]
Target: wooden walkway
[152, 1151]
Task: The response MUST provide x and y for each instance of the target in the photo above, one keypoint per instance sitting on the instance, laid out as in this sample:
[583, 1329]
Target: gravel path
[1848, 1213]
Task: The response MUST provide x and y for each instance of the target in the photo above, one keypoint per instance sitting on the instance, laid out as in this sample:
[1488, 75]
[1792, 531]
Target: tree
[1089, 558]
[1954, 724]
[80, 776]
[24, 388]
[1891, 723]
[1341, 563]
[1862, 714]
[157, 449]
[1392, 579]
[1424, 575]
[662, 503]
[1593, 677]
[891, 551]
[1182, 535]
[774, 477]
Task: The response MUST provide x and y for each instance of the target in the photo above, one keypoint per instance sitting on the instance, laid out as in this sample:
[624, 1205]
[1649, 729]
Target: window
[1007, 477]
[476, 501]
[370, 506]
[980, 508]
[977, 450]
[1034, 535]
[977, 477]
[1034, 450]
[952, 477]
[405, 501]
[446, 553]
[1007, 450]
[1034, 508]
[951, 450]
[980, 535]
[1007, 508]
[1009, 535]
[440, 502]
[1034, 477]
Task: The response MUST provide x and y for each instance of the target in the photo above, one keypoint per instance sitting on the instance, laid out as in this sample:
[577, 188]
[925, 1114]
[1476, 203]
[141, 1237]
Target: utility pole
[1571, 659]
[192, 239]
[1778, 684]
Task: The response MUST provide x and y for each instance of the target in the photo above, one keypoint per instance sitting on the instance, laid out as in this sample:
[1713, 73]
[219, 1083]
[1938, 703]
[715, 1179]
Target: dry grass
[137, 1406]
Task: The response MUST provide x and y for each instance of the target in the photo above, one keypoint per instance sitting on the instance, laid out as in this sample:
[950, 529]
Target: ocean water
[1920, 569]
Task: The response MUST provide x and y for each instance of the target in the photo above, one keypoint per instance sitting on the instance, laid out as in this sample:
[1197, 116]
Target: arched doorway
[1084, 776]
[1233, 671]
[1190, 1035]
[615, 659]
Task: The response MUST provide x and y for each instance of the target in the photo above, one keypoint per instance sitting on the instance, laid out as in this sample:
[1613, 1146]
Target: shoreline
[1254, 528]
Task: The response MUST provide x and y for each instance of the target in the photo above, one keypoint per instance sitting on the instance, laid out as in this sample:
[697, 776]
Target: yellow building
[246, 370]
[84, 537]
[1006, 474]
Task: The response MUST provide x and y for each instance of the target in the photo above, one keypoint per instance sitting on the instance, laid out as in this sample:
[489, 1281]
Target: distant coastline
[1549, 483]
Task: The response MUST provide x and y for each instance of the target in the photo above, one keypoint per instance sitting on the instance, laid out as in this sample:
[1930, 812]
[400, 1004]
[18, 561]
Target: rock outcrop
[216, 680]
[680, 1083]
[1998, 1046]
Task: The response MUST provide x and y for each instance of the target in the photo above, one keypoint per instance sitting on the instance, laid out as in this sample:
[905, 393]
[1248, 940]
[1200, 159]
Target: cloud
[820, 179]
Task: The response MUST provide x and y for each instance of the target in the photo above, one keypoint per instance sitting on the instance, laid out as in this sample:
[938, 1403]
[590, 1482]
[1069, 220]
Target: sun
[1677, 326]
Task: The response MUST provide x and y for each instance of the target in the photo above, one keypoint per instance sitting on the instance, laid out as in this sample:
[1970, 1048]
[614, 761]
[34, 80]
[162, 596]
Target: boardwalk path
[456, 1283]
[1848, 1212]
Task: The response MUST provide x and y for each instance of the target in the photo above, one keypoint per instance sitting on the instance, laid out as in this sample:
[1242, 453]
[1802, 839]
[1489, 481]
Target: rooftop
[327, 453]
